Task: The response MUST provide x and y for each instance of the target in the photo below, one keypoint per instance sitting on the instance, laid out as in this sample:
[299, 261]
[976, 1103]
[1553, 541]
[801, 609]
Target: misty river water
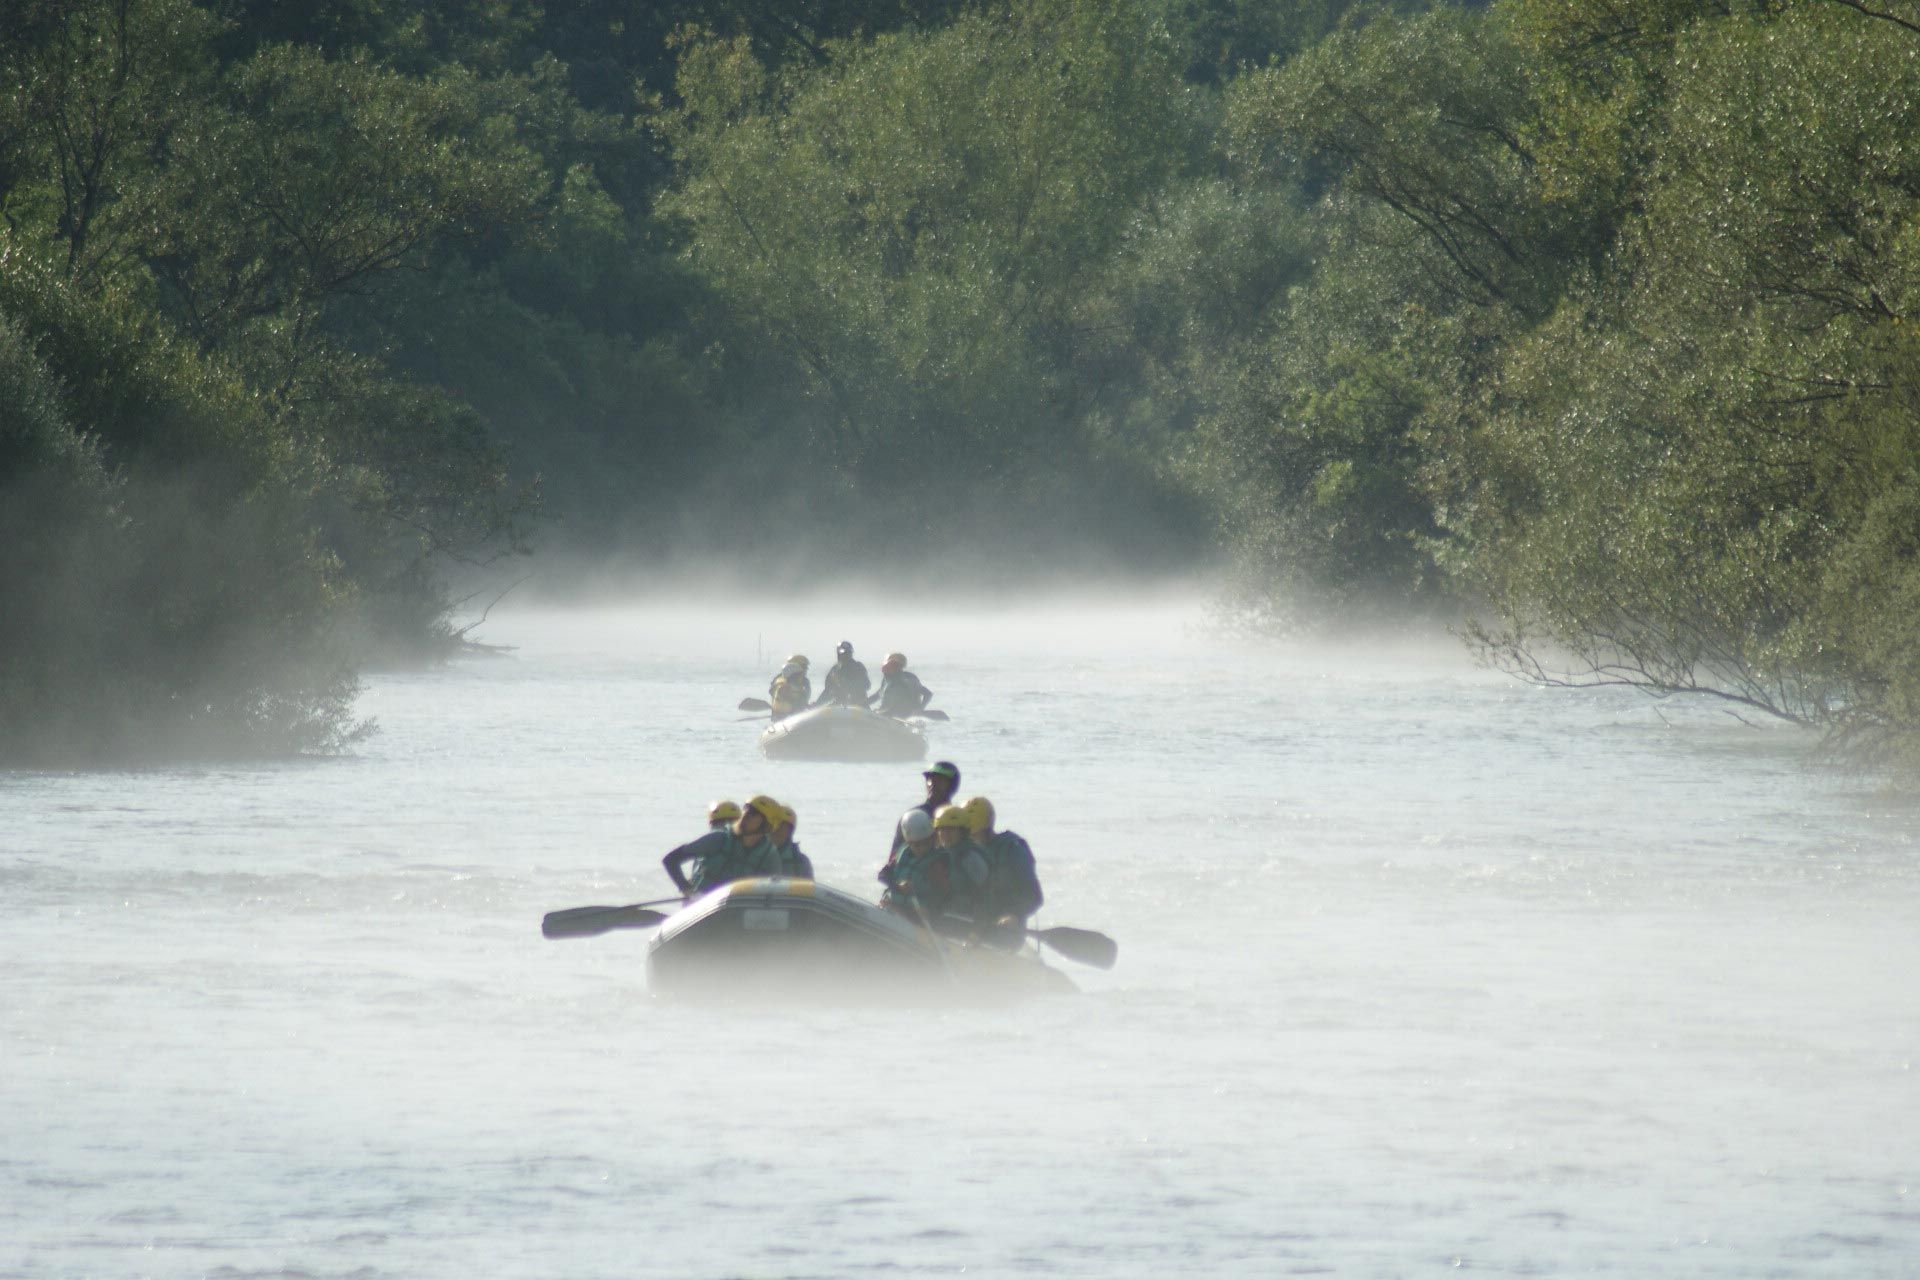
[1421, 970]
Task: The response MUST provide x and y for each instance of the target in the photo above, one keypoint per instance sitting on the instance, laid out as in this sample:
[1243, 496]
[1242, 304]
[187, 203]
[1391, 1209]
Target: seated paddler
[941, 886]
[900, 693]
[786, 850]
[1012, 891]
[790, 690]
[729, 853]
[846, 683]
[721, 814]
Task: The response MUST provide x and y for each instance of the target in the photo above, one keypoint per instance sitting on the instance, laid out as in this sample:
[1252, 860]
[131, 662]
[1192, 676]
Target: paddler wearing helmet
[939, 883]
[846, 682]
[790, 690]
[721, 815]
[730, 853]
[1012, 891]
[900, 693]
[786, 850]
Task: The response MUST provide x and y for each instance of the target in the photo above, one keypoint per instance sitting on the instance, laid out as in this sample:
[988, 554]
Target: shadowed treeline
[1587, 321]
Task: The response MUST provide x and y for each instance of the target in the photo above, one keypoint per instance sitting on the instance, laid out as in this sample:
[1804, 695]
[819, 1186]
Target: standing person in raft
[942, 779]
[846, 683]
[900, 693]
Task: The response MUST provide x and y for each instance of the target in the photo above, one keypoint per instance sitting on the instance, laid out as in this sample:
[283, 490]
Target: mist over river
[1421, 970]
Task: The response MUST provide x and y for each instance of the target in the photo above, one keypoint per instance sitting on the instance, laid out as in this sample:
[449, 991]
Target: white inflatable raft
[795, 939]
[843, 733]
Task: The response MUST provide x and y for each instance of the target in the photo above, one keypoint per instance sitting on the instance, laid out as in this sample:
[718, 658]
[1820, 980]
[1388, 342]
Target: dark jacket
[1013, 886]
[792, 862]
[901, 694]
[846, 683]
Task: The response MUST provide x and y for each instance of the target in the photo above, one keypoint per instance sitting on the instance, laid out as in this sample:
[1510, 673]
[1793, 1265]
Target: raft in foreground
[842, 733]
[779, 937]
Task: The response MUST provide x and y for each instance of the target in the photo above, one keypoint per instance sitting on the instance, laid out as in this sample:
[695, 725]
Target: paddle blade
[932, 714]
[1084, 945]
[755, 704]
[585, 922]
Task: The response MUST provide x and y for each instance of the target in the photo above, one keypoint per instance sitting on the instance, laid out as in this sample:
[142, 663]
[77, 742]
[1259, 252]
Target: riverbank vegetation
[1587, 326]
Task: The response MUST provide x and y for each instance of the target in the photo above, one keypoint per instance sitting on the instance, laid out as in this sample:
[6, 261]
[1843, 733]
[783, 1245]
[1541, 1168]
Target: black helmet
[844, 648]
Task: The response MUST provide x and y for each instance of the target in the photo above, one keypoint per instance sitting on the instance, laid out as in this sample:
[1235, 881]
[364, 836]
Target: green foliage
[916, 223]
[173, 603]
[1714, 455]
[1595, 316]
[319, 177]
[90, 92]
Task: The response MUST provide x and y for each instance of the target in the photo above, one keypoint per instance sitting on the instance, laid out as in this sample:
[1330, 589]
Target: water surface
[1421, 970]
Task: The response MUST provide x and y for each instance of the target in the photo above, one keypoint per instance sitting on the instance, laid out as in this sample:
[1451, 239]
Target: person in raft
[940, 887]
[846, 683]
[790, 690]
[900, 693]
[729, 853]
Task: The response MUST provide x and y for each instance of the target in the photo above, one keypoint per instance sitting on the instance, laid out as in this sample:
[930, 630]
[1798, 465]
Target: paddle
[585, 922]
[754, 704]
[1084, 945]
[933, 935]
[930, 714]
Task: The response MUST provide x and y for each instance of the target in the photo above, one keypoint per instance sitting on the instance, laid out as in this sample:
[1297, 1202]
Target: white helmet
[916, 825]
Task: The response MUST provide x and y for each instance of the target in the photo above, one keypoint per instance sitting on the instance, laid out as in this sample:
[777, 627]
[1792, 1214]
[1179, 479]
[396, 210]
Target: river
[1421, 970]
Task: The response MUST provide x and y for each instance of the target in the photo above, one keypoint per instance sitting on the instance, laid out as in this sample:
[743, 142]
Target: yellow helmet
[788, 816]
[722, 811]
[979, 811]
[950, 815]
[894, 662]
[769, 809]
[798, 660]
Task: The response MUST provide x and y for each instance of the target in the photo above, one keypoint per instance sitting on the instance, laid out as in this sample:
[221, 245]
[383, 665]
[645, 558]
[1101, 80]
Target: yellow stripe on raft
[773, 884]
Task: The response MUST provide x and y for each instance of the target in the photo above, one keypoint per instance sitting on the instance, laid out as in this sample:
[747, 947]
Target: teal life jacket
[943, 881]
[732, 860]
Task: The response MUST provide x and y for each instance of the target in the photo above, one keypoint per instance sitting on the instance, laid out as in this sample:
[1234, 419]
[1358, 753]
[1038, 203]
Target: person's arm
[926, 695]
[692, 851]
[673, 863]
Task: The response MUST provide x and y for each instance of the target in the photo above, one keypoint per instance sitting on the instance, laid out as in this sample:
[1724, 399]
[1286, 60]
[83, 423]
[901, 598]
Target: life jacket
[733, 860]
[790, 691]
[943, 881]
[1013, 885]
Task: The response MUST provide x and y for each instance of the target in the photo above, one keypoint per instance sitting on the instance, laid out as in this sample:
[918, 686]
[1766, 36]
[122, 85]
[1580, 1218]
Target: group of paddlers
[947, 867]
[952, 871]
[846, 684]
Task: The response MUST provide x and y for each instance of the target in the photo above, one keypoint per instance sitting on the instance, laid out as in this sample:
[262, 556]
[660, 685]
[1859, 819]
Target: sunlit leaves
[913, 221]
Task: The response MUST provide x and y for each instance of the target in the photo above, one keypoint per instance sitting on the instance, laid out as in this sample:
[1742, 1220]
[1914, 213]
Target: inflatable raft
[842, 733]
[796, 939]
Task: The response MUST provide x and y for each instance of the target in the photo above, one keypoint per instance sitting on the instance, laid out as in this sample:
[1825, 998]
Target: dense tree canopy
[1588, 323]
